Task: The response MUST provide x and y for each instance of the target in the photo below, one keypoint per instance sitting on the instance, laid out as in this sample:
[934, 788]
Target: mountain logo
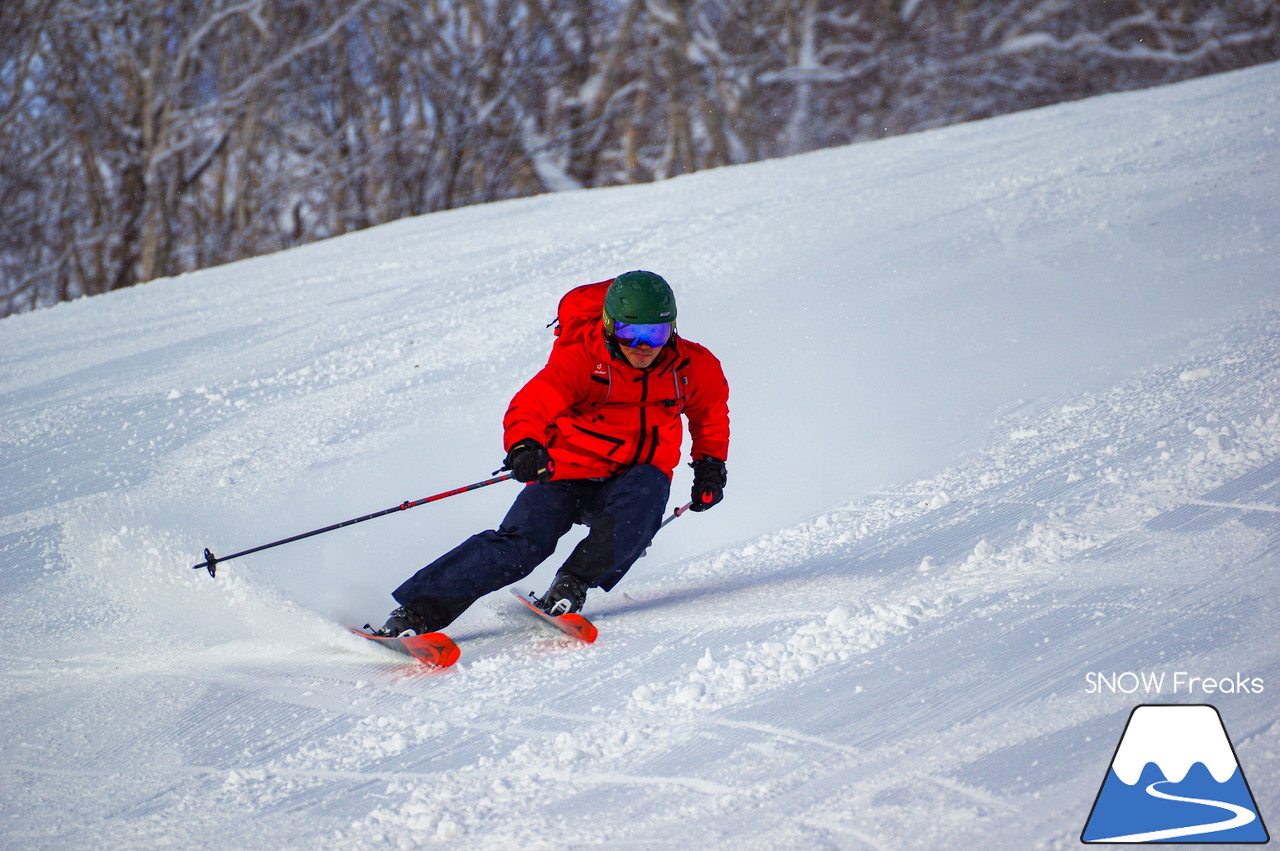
[1175, 778]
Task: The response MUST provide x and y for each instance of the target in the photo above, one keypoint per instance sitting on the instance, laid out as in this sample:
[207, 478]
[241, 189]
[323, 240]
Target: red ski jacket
[597, 414]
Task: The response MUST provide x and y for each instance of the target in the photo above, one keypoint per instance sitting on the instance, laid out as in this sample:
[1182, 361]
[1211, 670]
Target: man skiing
[595, 435]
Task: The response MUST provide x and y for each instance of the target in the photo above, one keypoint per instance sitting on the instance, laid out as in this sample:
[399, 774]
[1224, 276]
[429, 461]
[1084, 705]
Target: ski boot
[566, 595]
[403, 621]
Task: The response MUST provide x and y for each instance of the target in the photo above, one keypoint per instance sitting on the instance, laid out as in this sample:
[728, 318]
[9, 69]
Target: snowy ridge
[1006, 401]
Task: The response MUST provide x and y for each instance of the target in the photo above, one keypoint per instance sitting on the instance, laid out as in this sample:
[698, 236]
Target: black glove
[529, 460]
[708, 483]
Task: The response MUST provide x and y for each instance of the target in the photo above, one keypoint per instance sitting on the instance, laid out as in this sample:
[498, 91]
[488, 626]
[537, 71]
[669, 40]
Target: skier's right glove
[528, 460]
[709, 478]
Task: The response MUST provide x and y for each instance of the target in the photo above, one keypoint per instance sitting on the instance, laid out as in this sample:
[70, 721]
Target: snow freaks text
[1170, 682]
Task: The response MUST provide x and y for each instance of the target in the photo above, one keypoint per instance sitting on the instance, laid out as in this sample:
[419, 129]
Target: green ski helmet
[639, 299]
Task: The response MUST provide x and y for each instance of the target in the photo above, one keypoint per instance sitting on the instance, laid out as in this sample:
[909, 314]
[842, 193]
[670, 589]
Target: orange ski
[432, 648]
[572, 624]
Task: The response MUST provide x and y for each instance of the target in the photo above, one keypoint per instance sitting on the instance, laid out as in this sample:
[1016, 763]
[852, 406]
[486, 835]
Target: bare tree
[144, 138]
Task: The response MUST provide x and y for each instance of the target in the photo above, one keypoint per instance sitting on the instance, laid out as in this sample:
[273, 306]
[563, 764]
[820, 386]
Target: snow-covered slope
[1006, 403]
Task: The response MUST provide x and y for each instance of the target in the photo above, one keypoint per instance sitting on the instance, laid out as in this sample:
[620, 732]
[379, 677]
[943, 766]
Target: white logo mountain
[1174, 738]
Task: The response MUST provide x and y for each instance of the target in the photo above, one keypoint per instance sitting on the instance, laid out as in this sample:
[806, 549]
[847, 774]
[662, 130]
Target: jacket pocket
[596, 442]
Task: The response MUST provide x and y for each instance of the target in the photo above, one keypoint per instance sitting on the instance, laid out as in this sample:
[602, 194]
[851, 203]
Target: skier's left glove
[709, 478]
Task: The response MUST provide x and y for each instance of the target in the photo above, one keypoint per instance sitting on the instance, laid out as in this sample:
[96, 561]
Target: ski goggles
[656, 335]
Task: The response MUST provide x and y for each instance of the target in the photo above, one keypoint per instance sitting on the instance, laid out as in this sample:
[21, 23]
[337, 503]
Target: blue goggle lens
[656, 335]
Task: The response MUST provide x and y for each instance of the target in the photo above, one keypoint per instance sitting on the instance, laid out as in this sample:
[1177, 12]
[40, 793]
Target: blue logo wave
[1157, 810]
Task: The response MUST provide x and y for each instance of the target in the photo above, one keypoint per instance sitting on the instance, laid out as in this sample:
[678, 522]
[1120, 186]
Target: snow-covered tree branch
[153, 137]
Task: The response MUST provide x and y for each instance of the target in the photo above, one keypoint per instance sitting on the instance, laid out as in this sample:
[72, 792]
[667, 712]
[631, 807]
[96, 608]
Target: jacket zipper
[644, 420]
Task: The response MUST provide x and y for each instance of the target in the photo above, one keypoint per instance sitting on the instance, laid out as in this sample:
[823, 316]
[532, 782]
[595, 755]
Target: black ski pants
[623, 511]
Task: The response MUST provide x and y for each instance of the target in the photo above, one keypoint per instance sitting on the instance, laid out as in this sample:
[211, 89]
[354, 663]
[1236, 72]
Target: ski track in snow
[905, 669]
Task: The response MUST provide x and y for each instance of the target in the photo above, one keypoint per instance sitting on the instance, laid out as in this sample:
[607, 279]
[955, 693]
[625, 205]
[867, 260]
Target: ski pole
[211, 561]
[675, 513]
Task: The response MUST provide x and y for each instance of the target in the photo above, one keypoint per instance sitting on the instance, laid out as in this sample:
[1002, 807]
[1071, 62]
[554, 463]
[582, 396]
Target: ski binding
[432, 648]
[571, 624]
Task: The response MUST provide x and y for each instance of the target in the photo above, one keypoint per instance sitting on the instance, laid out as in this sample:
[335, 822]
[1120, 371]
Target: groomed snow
[1006, 403]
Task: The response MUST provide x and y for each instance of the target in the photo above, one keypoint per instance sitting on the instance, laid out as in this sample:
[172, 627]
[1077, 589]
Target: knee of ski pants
[444, 589]
[482, 563]
[541, 514]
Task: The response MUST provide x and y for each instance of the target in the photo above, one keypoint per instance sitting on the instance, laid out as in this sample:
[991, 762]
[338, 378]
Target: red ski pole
[211, 561]
[676, 512]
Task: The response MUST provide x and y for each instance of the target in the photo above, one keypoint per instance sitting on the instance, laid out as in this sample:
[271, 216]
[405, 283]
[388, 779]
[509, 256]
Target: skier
[595, 435]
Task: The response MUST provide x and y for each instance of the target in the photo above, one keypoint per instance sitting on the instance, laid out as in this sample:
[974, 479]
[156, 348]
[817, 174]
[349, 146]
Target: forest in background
[145, 138]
